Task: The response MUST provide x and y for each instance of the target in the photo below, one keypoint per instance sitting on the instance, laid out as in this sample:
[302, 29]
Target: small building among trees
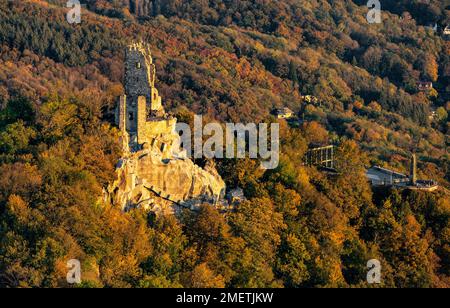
[447, 30]
[236, 196]
[425, 86]
[382, 177]
[284, 113]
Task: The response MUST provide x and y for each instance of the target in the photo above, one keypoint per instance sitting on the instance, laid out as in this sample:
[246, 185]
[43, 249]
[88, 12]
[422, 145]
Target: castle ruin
[140, 113]
[154, 172]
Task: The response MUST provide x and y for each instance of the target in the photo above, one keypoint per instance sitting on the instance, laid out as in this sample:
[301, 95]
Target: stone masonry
[154, 173]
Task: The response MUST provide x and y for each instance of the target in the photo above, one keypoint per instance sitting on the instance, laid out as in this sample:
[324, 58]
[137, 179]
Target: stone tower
[140, 76]
[140, 113]
[413, 171]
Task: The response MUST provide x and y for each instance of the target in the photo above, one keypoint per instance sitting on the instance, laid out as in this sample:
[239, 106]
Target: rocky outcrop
[146, 180]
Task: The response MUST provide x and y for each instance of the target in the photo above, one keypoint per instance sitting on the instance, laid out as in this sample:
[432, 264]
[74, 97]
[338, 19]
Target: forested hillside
[230, 61]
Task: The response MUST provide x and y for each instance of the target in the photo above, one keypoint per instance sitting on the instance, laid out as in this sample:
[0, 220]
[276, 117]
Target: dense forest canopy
[234, 61]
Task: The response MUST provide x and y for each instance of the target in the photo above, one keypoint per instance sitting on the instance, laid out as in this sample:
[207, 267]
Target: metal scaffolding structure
[321, 156]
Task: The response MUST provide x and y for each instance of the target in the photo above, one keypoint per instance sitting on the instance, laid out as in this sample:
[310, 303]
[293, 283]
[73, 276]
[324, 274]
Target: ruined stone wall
[161, 135]
[121, 111]
[141, 119]
[156, 107]
[158, 133]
